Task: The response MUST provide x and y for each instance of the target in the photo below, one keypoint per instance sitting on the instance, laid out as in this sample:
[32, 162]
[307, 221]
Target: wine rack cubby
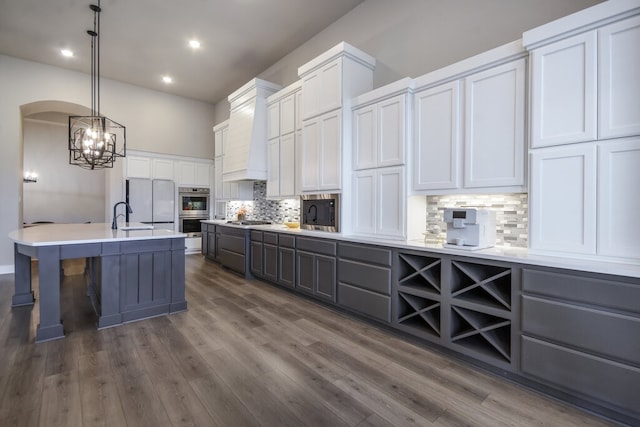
[485, 285]
[420, 273]
[481, 332]
[419, 314]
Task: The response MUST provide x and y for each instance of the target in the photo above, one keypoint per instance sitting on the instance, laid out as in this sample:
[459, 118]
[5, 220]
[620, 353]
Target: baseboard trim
[7, 269]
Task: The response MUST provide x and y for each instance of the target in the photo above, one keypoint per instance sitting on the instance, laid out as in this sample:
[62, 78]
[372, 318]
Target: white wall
[155, 122]
[410, 38]
[64, 192]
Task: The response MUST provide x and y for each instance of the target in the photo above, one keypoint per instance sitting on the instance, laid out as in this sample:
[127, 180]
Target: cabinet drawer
[231, 243]
[596, 331]
[256, 236]
[365, 302]
[287, 241]
[232, 260]
[318, 246]
[366, 254]
[371, 277]
[611, 382]
[607, 293]
[270, 238]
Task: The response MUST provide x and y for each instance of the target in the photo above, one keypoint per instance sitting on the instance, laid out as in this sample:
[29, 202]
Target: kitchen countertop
[496, 253]
[69, 234]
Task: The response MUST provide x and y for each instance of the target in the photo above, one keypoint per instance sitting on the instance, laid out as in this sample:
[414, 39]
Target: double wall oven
[193, 207]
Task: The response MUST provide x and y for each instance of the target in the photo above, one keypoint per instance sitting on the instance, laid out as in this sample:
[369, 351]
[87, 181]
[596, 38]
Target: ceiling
[143, 40]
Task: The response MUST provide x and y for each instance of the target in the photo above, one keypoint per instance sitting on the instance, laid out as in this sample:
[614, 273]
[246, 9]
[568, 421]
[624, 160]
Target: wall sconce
[30, 177]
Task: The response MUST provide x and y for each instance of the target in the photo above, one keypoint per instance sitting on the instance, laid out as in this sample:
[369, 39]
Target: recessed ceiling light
[194, 44]
[167, 79]
[66, 53]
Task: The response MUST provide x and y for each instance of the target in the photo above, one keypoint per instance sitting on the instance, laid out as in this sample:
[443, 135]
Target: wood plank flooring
[245, 354]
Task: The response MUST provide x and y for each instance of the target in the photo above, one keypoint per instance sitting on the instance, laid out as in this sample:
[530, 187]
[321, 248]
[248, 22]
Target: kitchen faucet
[114, 224]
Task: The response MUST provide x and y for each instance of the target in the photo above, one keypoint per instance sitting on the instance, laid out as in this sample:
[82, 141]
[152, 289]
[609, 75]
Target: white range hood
[246, 155]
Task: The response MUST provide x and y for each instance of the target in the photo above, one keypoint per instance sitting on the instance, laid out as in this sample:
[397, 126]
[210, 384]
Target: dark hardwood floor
[245, 354]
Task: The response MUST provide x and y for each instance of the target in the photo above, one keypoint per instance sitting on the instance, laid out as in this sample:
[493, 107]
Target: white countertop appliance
[470, 228]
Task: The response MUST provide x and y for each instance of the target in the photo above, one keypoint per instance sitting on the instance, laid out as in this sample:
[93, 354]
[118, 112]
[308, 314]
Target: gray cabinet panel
[270, 238]
[287, 241]
[319, 246]
[270, 259]
[325, 277]
[593, 330]
[256, 258]
[211, 245]
[583, 374]
[368, 254]
[231, 243]
[365, 302]
[366, 276]
[304, 271]
[256, 236]
[607, 293]
[232, 260]
[286, 266]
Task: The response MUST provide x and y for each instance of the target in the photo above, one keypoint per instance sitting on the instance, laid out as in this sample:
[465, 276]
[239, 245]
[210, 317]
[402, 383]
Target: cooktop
[249, 222]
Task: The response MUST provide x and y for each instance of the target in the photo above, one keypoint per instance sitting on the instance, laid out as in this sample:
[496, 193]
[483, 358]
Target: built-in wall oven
[193, 207]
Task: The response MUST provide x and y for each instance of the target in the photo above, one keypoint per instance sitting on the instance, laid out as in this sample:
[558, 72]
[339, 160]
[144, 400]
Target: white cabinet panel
[202, 175]
[364, 206]
[287, 114]
[138, 167]
[365, 138]
[619, 79]
[288, 165]
[273, 120]
[494, 127]
[273, 168]
[619, 198]
[563, 199]
[391, 202]
[437, 138]
[322, 90]
[310, 162]
[564, 90]
[217, 181]
[162, 168]
[391, 131]
[321, 153]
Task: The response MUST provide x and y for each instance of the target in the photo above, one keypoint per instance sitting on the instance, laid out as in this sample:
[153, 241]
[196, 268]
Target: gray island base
[131, 275]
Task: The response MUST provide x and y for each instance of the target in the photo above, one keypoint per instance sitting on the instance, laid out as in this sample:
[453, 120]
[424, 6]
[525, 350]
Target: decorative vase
[241, 217]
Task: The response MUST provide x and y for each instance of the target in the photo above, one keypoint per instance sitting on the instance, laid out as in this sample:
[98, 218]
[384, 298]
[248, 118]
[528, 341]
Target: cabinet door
[563, 199]
[270, 260]
[219, 137]
[618, 201]
[391, 202]
[331, 86]
[437, 138]
[309, 155]
[162, 169]
[286, 267]
[202, 175]
[365, 147]
[391, 131]
[217, 181]
[305, 273]
[186, 173]
[138, 167]
[212, 246]
[563, 91]
[330, 173]
[288, 165]
[618, 82]
[273, 120]
[311, 87]
[298, 106]
[256, 259]
[364, 202]
[325, 280]
[494, 127]
[273, 168]
[288, 114]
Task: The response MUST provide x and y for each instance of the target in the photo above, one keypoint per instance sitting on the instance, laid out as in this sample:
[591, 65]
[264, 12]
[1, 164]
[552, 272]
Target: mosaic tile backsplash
[276, 211]
[511, 212]
[511, 215]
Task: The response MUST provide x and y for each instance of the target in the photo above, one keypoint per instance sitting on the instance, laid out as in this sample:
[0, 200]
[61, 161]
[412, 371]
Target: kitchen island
[132, 273]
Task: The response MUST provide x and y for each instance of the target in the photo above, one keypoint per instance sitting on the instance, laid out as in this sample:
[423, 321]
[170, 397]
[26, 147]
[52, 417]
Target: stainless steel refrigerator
[152, 201]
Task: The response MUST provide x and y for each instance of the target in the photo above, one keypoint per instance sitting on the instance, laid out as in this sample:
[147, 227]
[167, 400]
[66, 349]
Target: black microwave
[320, 212]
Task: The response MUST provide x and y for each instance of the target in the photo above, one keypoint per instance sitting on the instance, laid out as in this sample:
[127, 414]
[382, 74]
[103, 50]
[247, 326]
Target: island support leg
[23, 292]
[50, 327]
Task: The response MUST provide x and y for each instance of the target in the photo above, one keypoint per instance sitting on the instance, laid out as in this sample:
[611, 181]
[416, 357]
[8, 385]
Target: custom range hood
[245, 157]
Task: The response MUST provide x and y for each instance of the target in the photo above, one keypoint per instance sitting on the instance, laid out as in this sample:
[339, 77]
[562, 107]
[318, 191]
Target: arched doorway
[63, 193]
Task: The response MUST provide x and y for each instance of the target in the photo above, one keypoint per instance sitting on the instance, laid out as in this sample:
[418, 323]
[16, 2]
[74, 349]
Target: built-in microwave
[320, 212]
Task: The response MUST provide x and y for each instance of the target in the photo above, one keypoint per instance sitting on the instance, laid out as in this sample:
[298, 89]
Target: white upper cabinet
[564, 89]
[481, 101]
[138, 167]
[563, 199]
[193, 174]
[437, 137]
[322, 89]
[321, 156]
[273, 120]
[162, 169]
[619, 198]
[379, 134]
[619, 79]
[224, 191]
[494, 127]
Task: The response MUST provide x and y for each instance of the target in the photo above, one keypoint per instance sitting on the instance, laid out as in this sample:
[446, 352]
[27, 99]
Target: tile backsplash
[511, 214]
[276, 211]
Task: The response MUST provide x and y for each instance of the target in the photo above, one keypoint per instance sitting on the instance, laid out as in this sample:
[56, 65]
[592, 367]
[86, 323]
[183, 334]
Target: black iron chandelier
[92, 139]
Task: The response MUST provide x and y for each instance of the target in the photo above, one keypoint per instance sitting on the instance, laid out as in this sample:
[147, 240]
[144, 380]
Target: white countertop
[496, 253]
[70, 234]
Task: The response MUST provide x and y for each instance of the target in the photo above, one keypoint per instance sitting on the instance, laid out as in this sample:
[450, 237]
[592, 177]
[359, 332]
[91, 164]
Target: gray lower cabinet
[270, 256]
[257, 263]
[316, 267]
[581, 335]
[233, 249]
[209, 241]
[364, 280]
[287, 261]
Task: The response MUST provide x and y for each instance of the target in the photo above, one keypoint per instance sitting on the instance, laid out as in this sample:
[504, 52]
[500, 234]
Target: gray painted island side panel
[23, 293]
[50, 326]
